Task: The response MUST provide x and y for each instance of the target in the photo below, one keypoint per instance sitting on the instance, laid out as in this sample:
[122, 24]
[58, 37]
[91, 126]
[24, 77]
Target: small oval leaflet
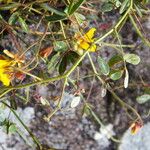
[114, 60]
[86, 110]
[80, 17]
[106, 7]
[12, 128]
[143, 98]
[104, 67]
[132, 59]
[60, 46]
[116, 75]
[75, 102]
[23, 25]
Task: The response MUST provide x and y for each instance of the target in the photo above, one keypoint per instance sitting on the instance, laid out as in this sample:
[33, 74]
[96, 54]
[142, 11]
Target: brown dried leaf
[45, 52]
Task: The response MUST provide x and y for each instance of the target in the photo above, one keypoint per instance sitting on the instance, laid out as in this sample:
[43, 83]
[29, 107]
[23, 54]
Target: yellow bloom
[5, 76]
[85, 42]
[6, 67]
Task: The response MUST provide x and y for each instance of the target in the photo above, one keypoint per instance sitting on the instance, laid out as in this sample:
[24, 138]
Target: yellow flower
[5, 76]
[7, 65]
[85, 42]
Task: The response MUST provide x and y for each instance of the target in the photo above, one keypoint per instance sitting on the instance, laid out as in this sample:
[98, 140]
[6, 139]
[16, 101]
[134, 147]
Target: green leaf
[1, 17]
[9, 6]
[53, 62]
[117, 3]
[92, 17]
[86, 109]
[63, 65]
[143, 98]
[55, 18]
[147, 90]
[72, 57]
[12, 128]
[13, 18]
[106, 7]
[72, 9]
[138, 10]
[4, 122]
[115, 60]
[68, 58]
[80, 17]
[23, 25]
[104, 67]
[68, 9]
[124, 6]
[145, 1]
[132, 59]
[8, 127]
[60, 46]
[51, 9]
[116, 74]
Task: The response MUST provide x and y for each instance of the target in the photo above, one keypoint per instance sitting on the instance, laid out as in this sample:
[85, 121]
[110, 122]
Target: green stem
[4, 93]
[117, 45]
[37, 82]
[76, 64]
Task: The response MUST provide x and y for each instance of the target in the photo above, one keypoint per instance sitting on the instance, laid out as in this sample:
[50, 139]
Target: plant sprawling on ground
[50, 41]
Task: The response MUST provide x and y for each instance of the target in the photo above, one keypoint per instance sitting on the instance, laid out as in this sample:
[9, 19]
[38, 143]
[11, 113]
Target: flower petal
[89, 35]
[85, 42]
[92, 48]
[84, 45]
[4, 63]
[5, 78]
